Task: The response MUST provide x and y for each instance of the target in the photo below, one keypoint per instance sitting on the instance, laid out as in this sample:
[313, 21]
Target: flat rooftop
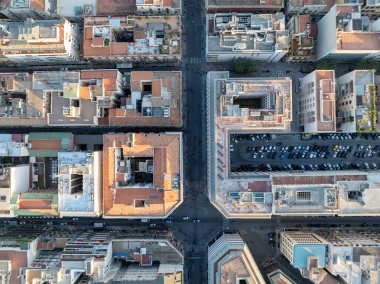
[159, 250]
[131, 36]
[355, 86]
[32, 37]
[117, 8]
[359, 197]
[19, 103]
[75, 8]
[358, 41]
[155, 99]
[23, 4]
[243, 3]
[77, 182]
[249, 104]
[304, 200]
[143, 176]
[319, 88]
[255, 103]
[229, 260]
[302, 3]
[245, 33]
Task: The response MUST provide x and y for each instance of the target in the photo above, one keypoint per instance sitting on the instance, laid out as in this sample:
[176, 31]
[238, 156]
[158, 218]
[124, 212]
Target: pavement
[239, 156]
[193, 236]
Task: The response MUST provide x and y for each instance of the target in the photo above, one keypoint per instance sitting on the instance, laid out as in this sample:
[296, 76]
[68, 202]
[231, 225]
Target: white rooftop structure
[79, 183]
[10, 148]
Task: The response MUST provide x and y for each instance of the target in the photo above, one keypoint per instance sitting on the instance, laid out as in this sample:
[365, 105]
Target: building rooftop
[24, 4]
[143, 176]
[19, 103]
[131, 36]
[117, 8]
[334, 194]
[306, 199]
[243, 104]
[318, 90]
[327, 4]
[255, 103]
[32, 37]
[248, 4]
[158, 3]
[48, 144]
[75, 8]
[357, 87]
[229, 260]
[82, 98]
[154, 99]
[303, 35]
[355, 33]
[91, 97]
[78, 182]
[359, 197]
[247, 33]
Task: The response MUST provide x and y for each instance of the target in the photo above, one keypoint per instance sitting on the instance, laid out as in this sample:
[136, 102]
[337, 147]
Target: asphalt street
[193, 236]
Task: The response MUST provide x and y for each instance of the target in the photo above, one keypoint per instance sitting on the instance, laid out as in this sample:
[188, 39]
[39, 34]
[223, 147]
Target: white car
[185, 218]
[196, 220]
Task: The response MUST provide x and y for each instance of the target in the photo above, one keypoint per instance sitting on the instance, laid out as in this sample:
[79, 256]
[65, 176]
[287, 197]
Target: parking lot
[294, 152]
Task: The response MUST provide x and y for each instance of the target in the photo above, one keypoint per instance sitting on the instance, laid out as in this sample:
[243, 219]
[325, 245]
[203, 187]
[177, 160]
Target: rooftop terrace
[131, 36]
[153, 98]
[246, 33]
[78, 182]
[32, 37]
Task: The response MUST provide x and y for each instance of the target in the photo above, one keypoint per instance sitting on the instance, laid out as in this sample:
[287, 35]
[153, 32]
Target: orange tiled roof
[141, 75]
[156, 88]
[358, 41]
[165, 150]
[37, 4]
[18, 260]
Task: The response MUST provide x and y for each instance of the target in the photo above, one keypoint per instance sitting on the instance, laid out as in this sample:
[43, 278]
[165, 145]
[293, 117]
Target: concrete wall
[20, 179]
[327, 34]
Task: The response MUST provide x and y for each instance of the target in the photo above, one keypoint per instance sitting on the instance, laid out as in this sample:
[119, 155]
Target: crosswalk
[195, 60]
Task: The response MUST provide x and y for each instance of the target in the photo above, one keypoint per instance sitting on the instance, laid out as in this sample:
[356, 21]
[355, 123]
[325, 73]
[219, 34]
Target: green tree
[243, 65]
[326, 65]
[367, 64]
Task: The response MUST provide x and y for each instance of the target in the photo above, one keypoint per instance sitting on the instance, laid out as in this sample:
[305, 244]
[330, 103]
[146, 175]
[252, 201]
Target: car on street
[185, 218]
[196, 221]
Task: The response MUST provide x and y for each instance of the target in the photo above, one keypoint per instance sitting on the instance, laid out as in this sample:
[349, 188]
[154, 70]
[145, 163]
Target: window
[3, 198]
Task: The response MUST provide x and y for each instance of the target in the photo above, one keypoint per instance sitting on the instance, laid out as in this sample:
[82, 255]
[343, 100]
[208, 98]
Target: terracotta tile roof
[37, 4]
[118, 112]
[165, 150]
[98, 74]
[18, 260]
[167, 79]
[116, 7]
[141, 75]
[34, 204]
[359, 41]
[156, 88]
[45, 144]
[303, 180]
[167, 3]
[84, 93]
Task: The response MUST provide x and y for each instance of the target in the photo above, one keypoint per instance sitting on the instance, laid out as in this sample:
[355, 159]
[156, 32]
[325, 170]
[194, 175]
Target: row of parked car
[307, 167]
[346, 136]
